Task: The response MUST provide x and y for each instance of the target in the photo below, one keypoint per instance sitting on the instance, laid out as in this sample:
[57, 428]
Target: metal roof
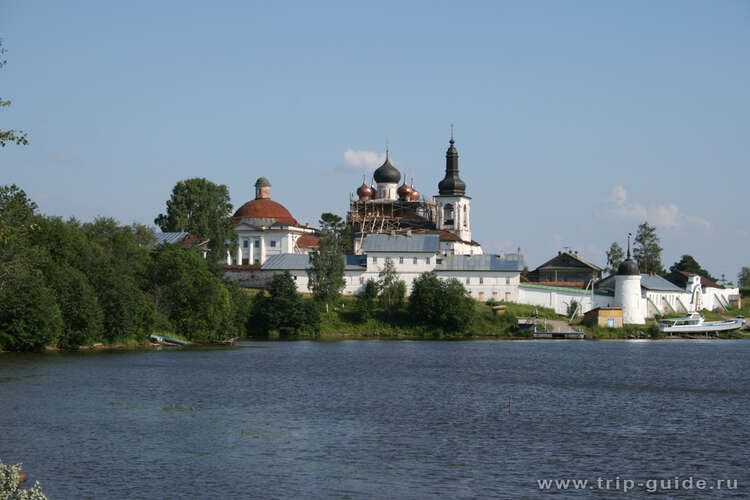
[298, 262]
[478, 263]
[656, 282]
[170, 238]
[427, 243]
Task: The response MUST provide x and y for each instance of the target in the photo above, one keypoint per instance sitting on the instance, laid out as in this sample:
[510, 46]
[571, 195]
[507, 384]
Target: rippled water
[378, 419]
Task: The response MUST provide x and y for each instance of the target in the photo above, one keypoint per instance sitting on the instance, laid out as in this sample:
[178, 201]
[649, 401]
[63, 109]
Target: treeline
[66, 284]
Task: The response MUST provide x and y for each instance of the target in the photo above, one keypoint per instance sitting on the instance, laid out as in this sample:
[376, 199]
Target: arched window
[448, 214]
[466, 216]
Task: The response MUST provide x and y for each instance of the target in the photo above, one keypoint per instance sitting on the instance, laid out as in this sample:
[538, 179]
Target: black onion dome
[451, 185]
[628, 268]
[387, 173]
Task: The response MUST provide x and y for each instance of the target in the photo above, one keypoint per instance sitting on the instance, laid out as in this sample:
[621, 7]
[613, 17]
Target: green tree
[81, 314]
[743, 278]
[615, 256]
[9, 136]
[441, 303]
[689, 265]
[326, 271]
[333, 222]
[647, 250]
[283, 310]
[392, 290]
[29, 316]
[203, 209]
[197, 303]
[365, 305]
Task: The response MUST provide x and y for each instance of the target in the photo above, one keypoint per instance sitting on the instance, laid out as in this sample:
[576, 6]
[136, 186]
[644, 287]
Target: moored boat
[695, 323]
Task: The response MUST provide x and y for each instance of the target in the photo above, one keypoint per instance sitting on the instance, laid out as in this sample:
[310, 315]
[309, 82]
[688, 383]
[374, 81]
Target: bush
[442, 304]
[365, 306]
[10, 476]
[29, 316]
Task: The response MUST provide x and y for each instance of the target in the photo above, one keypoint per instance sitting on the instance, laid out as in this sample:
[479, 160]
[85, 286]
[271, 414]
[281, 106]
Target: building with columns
[264, 228]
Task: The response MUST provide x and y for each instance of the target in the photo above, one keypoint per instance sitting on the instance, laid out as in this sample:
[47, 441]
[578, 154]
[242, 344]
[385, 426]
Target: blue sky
[575, 121]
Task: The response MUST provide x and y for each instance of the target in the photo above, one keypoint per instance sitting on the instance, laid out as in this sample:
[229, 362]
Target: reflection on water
[364, 419]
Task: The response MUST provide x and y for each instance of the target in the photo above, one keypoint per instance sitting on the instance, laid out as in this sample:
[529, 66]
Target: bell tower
[453, 206]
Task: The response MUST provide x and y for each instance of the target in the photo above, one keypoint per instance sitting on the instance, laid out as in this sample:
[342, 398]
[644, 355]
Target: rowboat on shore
[695, 323]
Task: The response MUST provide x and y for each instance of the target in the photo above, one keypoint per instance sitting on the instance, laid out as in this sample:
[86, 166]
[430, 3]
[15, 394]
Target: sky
[574, 121]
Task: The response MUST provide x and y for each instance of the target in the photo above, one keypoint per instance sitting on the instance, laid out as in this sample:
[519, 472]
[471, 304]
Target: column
[239, 253]
[262, 249]
[251, 245]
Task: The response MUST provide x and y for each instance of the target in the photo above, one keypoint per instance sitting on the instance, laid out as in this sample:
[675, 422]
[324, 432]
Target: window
[361, 280]
[257, 261]
[273, 243]
[468, 281]
[507, 281]
[481, 281]
[494, 294]
[295, 277]
[448, 214]
[415, 261]
[374, 260]
[427, 260]
[400, 260]
[257, 244]
[245, 243]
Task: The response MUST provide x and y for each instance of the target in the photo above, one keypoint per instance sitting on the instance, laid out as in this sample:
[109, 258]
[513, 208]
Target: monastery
[417, 234]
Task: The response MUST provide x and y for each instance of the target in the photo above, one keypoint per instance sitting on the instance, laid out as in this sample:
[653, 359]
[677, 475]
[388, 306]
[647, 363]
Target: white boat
[695, 323]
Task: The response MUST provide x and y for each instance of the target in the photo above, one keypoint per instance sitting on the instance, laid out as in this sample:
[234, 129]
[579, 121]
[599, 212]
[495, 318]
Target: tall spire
[452, 185]
[629, 235]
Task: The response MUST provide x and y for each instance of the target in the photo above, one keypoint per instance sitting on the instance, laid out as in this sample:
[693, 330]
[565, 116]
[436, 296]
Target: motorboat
[695, 323]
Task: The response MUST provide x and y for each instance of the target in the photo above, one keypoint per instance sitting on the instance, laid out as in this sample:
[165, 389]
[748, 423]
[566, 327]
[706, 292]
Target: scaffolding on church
[388, 216]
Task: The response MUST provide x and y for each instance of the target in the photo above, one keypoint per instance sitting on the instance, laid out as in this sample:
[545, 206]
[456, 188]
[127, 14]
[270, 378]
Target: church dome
[364, 191]
[414, 196]
[387, 173]
[374, 192]
[404, 191]
[265, 208]
[628, 268]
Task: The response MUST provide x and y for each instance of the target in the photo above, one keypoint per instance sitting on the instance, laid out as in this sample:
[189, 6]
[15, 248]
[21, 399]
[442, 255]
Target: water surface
[378, 419]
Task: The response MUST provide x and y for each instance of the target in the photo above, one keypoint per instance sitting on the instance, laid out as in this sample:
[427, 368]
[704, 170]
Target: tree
[443, 304]
[29, 316]
[335, 223]
[744, 277]
[326, 271]
[647, 250]
[365, 305]
[197, 302]
[392, 290]
[615, 256]
[6, 136]
[689, 265]
[283, 310]
[203, 209]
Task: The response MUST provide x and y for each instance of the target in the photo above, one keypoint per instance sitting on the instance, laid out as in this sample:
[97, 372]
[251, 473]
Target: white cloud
[619, 194]
[667, 216]
[363, 161]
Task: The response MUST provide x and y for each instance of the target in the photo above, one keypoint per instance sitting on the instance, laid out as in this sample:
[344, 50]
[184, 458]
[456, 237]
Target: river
[380, 419]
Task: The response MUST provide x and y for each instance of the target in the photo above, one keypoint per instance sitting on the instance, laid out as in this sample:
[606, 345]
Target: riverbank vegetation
[67, 284]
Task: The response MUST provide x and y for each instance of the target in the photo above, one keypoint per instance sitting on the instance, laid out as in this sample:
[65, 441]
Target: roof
[477, 263]
[426, 243]
[656, 282]
[705, 282]
[265, 209]
[170, 238]
[299, 262]
[308, 241]
[648, 282]
[563, 256]
[387, 173]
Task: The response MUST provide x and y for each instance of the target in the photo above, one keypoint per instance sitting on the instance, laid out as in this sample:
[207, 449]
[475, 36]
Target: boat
[163, 339]
[695, 323]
